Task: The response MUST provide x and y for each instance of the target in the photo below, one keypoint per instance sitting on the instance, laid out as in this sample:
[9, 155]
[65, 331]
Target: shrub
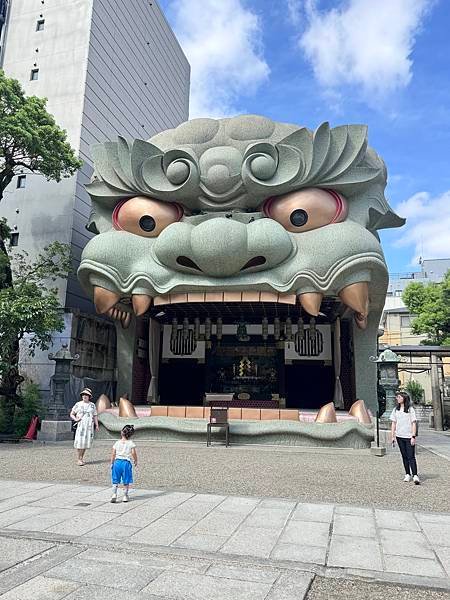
[31, 406]
[416, 391]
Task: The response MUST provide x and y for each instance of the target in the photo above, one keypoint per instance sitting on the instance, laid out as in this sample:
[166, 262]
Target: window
[405, 321]
[40, 25]
[34, 74]
[14, 239]
[21, 181]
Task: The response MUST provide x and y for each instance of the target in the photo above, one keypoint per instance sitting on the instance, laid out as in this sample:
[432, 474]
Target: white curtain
[338, 398]
[153, 356]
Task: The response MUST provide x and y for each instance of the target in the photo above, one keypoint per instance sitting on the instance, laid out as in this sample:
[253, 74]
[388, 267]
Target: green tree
[431, 306]
[30, 141]
[29, 311]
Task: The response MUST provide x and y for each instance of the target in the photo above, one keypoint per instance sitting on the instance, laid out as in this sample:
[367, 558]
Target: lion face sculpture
[244, 205]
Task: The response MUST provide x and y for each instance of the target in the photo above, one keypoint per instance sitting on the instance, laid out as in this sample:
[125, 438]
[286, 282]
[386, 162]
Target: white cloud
[222, 41]
[427, 227]
[366, 43]
[294, 11]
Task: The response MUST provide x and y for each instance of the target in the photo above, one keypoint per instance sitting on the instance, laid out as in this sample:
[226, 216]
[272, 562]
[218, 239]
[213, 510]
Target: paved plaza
[326, 475]
[71, 542]
[62, 538]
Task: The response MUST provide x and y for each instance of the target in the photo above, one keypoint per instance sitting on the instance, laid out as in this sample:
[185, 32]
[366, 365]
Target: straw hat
[86, 391]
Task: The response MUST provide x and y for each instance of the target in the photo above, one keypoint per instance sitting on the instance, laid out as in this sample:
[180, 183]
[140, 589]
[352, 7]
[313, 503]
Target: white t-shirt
[403, 421]
[123, 449]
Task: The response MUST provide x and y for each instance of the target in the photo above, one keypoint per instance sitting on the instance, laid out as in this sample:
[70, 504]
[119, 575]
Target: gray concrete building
[106, 68]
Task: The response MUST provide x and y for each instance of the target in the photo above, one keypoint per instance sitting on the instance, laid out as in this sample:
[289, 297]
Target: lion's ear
[100, 219]
[384, 220]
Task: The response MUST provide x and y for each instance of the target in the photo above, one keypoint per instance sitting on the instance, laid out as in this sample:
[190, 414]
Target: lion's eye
[307, 209]
[145, 216]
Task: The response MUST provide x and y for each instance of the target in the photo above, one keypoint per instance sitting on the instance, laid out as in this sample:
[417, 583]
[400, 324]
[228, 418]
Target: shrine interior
[265, 351]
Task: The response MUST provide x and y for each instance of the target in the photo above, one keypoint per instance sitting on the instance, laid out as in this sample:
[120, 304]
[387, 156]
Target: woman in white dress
[84, 413]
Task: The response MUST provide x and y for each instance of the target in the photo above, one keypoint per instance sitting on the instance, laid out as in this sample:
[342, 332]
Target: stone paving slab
[81, 523]
[360, 553]
[205, 542]
[187, 586]
[291, 586]
[300, 553]
[147, 560]
[437, 533]
[396, 519]
[15, 551]
[307, 533]
[252, 541]
[94, 592]
[354, 525]
[30, 569]
[405, 543]
[42, 522]
[15, 515]
[42, 588]
[215, 528]
[244, 573]
[412, 566]
[94, 572]
[313, 512]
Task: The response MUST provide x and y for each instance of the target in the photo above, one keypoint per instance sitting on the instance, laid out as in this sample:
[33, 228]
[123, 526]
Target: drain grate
[83, 504]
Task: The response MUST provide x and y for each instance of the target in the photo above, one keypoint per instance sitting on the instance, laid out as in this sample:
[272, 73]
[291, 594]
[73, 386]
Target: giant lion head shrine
[241, 257]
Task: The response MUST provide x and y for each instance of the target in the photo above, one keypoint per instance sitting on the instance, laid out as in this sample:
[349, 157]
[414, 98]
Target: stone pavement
[69, 541]
[437, 442]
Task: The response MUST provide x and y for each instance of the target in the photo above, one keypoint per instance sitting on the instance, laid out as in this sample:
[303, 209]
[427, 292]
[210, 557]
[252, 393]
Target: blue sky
[385, 63]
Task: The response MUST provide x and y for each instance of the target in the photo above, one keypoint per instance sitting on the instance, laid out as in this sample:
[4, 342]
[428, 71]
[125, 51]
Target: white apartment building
[107, 67]
[396, 322]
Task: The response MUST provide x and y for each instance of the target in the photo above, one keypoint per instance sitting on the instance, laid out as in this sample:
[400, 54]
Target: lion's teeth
[311, 302]
[104, 299]
[141, 303]
[356, 297]
[125, 319]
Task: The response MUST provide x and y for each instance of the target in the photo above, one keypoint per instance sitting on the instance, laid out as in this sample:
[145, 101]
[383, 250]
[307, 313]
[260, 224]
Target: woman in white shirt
[404, 429]
[84, 413]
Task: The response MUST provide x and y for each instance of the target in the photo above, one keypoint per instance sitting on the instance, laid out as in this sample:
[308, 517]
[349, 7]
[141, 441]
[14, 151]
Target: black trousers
[408, 453]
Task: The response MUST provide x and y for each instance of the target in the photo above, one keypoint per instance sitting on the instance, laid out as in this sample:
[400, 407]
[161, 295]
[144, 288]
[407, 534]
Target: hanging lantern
[276, 329]
[288, 329]
[265, 328]
[219, 328]
[300, 329]
[207, 329]
[174, 328]
[196, 329]
[185, 328]
[241, 333]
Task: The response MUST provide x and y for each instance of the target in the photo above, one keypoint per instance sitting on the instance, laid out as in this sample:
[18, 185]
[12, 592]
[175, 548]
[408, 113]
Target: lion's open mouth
[354, 296]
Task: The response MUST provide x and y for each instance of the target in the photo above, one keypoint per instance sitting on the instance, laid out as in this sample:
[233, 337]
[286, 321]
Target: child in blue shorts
[123, 454]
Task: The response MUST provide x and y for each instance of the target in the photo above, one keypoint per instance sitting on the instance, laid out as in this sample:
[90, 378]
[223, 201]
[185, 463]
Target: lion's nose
[219, 247]
[222, 247]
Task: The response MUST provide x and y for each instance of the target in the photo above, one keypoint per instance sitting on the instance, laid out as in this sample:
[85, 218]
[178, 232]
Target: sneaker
[416, 480]
[125, 498]
[114, 498]
[407, 478]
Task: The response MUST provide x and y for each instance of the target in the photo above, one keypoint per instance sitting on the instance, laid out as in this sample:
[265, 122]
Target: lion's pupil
[299, 217]
[147, 223]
